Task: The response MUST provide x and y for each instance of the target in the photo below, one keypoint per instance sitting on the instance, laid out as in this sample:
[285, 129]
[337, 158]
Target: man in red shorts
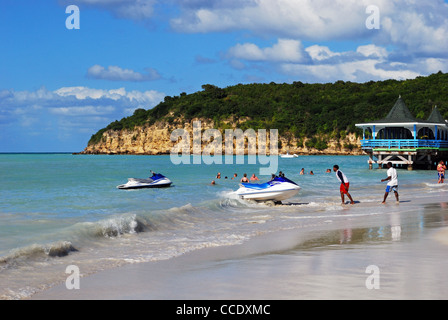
[344, 184]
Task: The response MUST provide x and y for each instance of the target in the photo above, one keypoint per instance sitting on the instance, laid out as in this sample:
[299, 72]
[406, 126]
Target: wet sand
[407, 248]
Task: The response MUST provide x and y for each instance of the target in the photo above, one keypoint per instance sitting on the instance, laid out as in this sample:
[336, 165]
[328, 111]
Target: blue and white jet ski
[278, 189]
[156, 181]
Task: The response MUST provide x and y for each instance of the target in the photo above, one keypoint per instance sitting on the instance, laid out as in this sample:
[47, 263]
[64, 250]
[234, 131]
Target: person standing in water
[441, 171]
[244, 178]
[392, 177]
[344, 184]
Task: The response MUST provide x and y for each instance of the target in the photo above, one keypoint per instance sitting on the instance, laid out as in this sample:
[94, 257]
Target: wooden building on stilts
[404, 140]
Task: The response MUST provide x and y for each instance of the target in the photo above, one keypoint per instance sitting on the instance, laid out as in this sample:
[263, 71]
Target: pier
[404, 140]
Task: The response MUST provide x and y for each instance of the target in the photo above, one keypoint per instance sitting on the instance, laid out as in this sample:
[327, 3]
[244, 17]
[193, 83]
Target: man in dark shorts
[344, 184]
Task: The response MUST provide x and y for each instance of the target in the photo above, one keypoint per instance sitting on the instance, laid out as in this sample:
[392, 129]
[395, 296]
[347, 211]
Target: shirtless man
[254, 177]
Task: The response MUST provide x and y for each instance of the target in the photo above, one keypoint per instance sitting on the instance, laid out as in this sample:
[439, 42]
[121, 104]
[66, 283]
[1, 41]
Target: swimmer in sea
[244, 178]
[254, 178]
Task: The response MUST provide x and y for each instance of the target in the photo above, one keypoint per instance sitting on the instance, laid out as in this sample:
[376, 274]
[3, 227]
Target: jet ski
[278, 189]
[156, 181]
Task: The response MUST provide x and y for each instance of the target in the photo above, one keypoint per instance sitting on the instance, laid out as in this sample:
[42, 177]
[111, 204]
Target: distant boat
[287, 155]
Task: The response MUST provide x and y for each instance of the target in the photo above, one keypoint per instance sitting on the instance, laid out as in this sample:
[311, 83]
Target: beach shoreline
[326, 262]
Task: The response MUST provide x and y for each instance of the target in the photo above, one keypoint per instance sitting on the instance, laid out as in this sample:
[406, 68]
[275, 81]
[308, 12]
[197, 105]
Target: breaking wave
[36, 252]
[83, 234]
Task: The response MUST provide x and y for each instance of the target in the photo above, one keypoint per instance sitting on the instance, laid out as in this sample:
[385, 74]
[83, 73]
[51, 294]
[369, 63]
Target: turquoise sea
[58, 210]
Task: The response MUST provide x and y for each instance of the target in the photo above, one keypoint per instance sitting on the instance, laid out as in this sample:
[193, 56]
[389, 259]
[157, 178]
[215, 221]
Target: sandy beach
[407, 248]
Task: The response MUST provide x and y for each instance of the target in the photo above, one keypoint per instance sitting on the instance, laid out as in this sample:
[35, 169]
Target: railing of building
[403, 144]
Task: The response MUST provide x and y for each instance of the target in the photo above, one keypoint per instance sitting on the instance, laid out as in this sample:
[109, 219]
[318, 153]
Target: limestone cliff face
[156, 140]
[151, 140]
[335, 147]
[146, 140]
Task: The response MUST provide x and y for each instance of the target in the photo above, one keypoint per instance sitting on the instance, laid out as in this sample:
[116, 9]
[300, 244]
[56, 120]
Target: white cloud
[83, 93]
[286, 50]
[367, 62]
[38, 95]
[75, 112]
[372, 51]
[307, 19]
[319, 53]
[144, 99]
[417, 26]
[115, 73]
[150, 96]
[433, 65]
[320, 64]
[414, 33]
[83, 111]
[356, 71]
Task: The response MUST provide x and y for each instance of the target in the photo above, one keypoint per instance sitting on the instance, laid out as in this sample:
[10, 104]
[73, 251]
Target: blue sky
[59, 86]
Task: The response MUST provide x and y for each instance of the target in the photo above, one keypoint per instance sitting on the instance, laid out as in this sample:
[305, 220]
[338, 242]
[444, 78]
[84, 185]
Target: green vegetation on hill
[298, 109]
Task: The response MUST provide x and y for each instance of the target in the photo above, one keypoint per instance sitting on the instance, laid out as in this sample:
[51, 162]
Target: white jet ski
[278, 189]
[156, 181]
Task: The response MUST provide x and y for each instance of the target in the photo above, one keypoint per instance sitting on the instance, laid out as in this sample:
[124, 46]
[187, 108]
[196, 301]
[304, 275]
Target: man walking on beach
[392, 177]
[344, 184]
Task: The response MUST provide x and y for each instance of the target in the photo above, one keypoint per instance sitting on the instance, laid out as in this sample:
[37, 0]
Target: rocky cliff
[156, 140]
